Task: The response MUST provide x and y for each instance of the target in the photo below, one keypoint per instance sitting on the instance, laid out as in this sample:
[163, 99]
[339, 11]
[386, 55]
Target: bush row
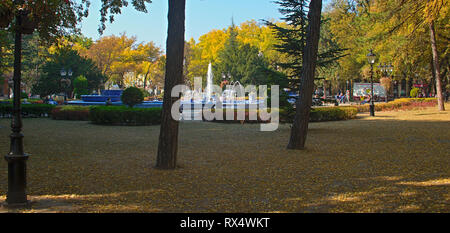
[121, 115]
[234, 118]
[28, 110]
[108, 115]
[332, 114]
[71, 113]
[323, 114]
[400, 104]
[287, 116]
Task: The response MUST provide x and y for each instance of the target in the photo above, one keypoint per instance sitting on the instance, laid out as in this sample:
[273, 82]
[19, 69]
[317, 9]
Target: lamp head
[371, 57]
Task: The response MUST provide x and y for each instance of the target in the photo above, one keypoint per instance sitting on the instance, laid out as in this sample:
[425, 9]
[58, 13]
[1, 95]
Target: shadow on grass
[382, 194]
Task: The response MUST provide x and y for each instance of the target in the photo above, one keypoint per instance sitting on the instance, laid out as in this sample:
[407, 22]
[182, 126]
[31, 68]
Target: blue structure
[114, 96]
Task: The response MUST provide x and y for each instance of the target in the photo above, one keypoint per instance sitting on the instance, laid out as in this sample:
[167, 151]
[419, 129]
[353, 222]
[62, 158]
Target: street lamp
[65, 82]
[371, 57]
[386, 71]
[16, 158]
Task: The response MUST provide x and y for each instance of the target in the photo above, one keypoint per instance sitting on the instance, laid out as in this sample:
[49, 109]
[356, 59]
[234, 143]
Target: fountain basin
[145, 104]
[113, 95]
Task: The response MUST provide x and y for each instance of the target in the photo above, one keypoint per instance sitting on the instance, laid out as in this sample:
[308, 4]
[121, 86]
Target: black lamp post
[16, 158]
[371, 57]
[65, 82]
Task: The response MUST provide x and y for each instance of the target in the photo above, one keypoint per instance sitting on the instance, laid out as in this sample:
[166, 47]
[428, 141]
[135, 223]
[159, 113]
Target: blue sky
[201, 17]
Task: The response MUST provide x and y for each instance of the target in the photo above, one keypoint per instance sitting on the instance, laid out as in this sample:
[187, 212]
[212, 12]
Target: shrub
[400, 104]
[23, 95]
[332, 114]
[325, 114]
[31, 101]
[81, 86]
[35, 101]
[286, 109]
[317, 115]
[121, 115]
[235, 117]
[144, 92]
[132, 96]
[71, 113]
[28, 110]
[414, 92]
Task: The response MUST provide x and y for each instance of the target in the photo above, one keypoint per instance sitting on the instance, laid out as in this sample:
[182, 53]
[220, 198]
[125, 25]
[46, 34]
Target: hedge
[235, 117]
[316, 115]
[332, 114]
[28, 110]
[31, 101]
[400, 104]
[122, 115]
[71, 113]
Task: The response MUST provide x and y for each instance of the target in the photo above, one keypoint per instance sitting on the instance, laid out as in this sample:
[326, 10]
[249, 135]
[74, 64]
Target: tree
[132, 96]
[119, 57]
[111, 54]
[156, 72]
[417, 14]
[436, 66]
[80, 86]
[205, 51]
[399, 32]
[6, 52]
[168, 137]
[53, 19]
[240, 61]
[292, 38]
[300, 125]
[67, 58]
[146, 56]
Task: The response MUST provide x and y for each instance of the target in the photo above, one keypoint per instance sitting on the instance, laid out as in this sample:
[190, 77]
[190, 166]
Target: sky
[202, 16]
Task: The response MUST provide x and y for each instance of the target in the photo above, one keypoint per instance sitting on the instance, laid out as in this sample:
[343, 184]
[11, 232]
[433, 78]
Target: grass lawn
[395, 162]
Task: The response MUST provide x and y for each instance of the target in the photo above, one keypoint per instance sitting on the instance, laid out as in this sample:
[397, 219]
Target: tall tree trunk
[168, 136]
[439, 93]
[301, 120]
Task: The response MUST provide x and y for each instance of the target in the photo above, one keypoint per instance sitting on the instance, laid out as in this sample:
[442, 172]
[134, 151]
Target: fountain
[231, 97]
[114, 96]
[209, 83]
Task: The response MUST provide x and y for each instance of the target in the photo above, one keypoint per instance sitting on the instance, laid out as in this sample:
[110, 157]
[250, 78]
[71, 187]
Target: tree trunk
[168, 136]
[145, 78]
[301, 120]
[439, 93]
